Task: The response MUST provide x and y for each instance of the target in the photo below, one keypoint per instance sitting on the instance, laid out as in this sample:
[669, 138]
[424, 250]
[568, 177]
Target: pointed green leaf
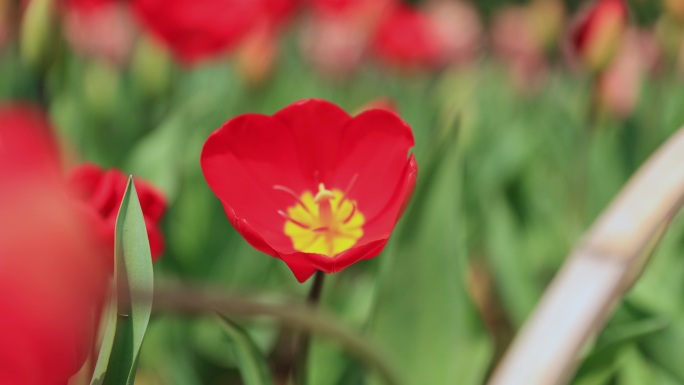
[252, 364]
[132, 274]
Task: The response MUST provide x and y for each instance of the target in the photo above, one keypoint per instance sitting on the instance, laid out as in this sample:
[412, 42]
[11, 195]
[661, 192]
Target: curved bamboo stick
[597, 274]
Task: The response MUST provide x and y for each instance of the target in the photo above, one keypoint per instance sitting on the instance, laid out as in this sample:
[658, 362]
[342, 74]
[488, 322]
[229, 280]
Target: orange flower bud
[598, 31]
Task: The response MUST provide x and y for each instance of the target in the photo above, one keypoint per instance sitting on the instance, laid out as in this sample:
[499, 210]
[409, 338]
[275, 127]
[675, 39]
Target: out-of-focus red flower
[335, 46]
[619, 86]
[101, 29]
[446, 32]
[51, 283]
[308, 185]
[515, 44]
[197, 30]
[256, 56]
[337, 33]
[101, 191]
[276, 13]
[596, 34]
[408, 39]
[459, 29]
[365, 14]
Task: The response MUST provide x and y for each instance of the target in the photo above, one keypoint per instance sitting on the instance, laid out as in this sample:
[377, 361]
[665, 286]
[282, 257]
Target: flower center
[327, 223]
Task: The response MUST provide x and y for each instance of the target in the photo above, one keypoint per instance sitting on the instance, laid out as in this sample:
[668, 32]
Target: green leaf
[252, 364]
[132, 298]
[424, 317]
[603, 362]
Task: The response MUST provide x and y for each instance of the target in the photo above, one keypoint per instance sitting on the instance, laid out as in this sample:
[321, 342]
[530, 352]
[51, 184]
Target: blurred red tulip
[408, 39]
[308, 184]
[365, 14]
[619, 86]
[51, 283]
[101, 191]
[101, 29]
[198, 30]
[515, 43]
[335, 46]
[337, 33]
[459, 29]
[256, 56]
[446, 32]
[597, 32]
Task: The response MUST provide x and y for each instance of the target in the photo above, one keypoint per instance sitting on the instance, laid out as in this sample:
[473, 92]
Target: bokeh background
[520, 145]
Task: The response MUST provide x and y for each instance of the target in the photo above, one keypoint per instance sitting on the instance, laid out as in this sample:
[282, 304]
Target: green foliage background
[507, 183]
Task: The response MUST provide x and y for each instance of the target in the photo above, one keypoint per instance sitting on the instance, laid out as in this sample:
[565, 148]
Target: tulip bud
[105, 31]
[619, 86]
[598, 31]
[151, 67]
[458, 26]
[257, 55]
[39, 33]
[334, 46]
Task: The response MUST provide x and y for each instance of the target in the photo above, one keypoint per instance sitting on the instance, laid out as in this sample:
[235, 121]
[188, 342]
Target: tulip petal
[304, 265]
[374, 150]
[243, 161]
[317, 127]
[381, 225]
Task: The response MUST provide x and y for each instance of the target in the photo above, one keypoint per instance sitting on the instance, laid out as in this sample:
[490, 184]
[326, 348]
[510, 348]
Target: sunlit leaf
[133, 277]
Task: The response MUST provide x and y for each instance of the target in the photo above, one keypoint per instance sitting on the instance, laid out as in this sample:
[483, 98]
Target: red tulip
[312, 185]
[197, 30]
[103, 29]
[337, 34]
[515, 43]
[597, 33]
[458, 29]
[363, 13]
[619, 86]
[257, 55]
[408, 39]
[101, 191]
[50, 284]
[335, 46]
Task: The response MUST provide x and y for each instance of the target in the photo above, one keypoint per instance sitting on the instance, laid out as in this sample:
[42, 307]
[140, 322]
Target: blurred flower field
[528, 118]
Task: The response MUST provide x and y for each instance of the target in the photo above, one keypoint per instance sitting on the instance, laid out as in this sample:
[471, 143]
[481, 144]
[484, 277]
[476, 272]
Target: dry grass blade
[597, 273]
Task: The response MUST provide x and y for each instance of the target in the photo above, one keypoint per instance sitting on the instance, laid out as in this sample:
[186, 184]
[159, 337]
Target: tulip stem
[314, 297]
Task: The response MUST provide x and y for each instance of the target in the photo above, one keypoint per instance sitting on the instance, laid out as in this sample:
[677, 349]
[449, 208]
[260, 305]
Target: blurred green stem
[189, 300]
[300, 372]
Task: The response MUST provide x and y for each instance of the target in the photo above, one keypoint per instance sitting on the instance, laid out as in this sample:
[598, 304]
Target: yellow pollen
[327, 223]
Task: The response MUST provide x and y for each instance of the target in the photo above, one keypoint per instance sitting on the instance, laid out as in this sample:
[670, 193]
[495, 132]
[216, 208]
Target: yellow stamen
[327, 223]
